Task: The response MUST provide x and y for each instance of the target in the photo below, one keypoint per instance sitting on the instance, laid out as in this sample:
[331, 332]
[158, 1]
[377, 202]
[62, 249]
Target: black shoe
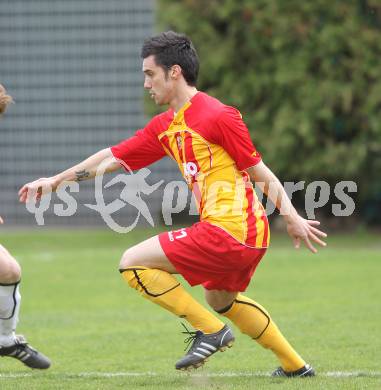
[22, 351]
[306, 370]
[203, 346]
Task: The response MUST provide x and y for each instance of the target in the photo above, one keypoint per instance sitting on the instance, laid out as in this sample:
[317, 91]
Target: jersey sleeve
[141, 150]
[234, 137]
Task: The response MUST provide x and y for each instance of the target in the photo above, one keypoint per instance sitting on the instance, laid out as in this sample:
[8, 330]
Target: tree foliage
[306, 76]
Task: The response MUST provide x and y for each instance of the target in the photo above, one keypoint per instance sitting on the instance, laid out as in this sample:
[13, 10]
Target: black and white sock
[10, 300]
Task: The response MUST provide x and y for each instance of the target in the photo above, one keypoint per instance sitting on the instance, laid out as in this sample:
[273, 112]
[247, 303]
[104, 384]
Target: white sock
[10, 299]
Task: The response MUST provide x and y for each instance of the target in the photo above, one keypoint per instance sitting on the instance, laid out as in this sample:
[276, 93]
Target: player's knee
[128, 260]
[130, 269]
[10, 271]
[220, 301]
[220, 307]
[212, 302]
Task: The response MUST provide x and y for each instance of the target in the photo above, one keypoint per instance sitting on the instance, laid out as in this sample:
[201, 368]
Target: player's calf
[253, 319]
[163, 289]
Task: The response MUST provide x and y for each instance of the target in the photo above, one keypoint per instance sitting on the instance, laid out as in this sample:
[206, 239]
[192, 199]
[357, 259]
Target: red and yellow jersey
[212, 148]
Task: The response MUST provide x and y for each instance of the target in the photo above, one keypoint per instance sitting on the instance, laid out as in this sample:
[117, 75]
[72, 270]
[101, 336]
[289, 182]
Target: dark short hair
[171, 48]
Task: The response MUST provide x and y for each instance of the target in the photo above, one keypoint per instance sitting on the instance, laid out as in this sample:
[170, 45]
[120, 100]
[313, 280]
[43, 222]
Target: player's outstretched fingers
[21, 193]
[296, 242]
[31, 195]
[36, 189]
[318, 232]
[313, 222]
[309, 245]
[314, 238]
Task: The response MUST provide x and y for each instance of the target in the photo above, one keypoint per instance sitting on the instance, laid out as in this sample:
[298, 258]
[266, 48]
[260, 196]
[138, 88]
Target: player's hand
[5, 99]
[300, 229]
[36, 189]
[1, 221]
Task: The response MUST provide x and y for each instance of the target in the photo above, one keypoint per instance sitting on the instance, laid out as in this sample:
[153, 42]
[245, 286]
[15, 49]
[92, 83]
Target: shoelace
[22, 344]
[191, 336]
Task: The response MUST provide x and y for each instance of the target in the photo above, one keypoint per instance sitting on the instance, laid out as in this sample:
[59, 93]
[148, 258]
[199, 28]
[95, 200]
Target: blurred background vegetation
[305, 75]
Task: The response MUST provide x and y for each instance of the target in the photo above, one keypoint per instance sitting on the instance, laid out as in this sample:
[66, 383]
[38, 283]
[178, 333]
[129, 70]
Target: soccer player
[213, 150]
[13, 345]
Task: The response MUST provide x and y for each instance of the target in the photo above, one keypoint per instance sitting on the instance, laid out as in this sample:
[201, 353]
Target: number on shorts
[177, 234]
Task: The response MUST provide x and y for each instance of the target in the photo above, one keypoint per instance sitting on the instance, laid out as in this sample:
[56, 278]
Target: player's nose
[147, 84]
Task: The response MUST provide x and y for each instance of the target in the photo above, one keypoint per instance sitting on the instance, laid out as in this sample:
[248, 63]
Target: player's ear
[175, 72]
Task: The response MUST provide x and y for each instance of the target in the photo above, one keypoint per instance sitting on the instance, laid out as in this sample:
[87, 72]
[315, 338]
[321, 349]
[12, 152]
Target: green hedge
[306, 76]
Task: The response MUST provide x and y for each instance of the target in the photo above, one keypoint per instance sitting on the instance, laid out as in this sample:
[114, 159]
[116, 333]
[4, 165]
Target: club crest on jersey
[190, 168]
[191, 172]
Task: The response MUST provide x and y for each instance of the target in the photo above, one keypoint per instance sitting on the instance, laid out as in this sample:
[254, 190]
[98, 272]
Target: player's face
[157, 82]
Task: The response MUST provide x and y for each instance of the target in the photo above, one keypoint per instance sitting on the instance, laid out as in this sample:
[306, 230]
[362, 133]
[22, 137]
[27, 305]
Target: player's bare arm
[298, 227]
[85, 170]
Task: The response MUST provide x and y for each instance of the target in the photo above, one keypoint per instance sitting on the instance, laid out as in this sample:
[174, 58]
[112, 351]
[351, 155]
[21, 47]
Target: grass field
[100, 334]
